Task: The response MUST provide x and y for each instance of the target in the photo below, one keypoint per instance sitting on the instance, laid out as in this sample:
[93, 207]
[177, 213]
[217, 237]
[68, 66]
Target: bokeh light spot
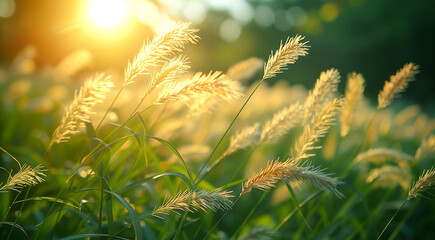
[284, 20]
[230, 30]
[329, 11]
[313, 24]
[7, 8]
[220, 4]
[172, 7]
[264, 16]
[195, 11]
[147, 13]
[242, 11]
[299, 15]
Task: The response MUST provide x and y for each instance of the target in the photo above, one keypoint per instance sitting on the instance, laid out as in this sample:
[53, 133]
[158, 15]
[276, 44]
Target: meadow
[160, 152]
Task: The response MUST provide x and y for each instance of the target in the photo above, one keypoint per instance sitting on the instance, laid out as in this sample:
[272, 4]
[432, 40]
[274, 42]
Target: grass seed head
[285, 55]
[397, 84]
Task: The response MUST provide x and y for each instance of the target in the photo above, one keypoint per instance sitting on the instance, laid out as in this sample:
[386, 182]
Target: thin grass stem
[408, 214]
[110, 108]
[202, 176]
[391, 219]
[180, 226]
[290, 189]
[311, 197]
[220, 219]
[249, 214]
[21, 208]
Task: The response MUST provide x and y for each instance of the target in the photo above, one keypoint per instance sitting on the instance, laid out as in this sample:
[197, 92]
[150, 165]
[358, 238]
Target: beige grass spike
[397, 84]
[424, 183]
[245, 69]
[191, 201]
[426, 149]
[94, 91]
[324, 89]
[287, 53]
[172, 39]
[281, 122]
[317, 128]
[169, 71]
[26, 176]
[213, 85]
[354, 93]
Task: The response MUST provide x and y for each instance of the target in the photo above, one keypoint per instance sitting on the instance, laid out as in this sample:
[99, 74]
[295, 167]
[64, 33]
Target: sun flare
[108, 14]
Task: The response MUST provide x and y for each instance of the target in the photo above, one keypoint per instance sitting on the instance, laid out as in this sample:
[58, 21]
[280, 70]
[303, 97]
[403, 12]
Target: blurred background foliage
[372, 37]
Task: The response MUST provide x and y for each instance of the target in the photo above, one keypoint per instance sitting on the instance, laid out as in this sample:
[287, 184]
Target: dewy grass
[137, 167]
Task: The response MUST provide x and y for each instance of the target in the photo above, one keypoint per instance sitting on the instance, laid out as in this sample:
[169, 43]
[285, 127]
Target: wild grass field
[160, 152]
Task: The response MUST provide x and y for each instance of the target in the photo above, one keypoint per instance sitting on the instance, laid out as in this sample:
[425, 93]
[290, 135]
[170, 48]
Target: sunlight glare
[108, 14]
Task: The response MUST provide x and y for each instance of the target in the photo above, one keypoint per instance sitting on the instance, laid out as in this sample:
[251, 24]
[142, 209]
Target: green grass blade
[92, 235]
[131, 212]
[51, 199]
[249, 214]
[295, 201]
[16, 225]
[311, 197]
[237, 182]
[173, 150]
[138, 183]
[360, 195]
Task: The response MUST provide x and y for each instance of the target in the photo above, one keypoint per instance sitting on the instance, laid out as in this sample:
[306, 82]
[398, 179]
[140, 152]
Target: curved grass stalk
[19, 212]
[202, 175]
[249, 214]
[391, 219]
[295, 201]
[220, 219]
[404, 219]
[164, 142]
[285, 55]
[311, 197]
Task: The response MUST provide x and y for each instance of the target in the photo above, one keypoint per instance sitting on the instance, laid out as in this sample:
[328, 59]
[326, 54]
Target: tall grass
[163, 153]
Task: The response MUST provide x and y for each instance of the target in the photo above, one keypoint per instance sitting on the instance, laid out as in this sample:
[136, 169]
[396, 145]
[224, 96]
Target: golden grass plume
[424, 183]
[387, 176]
[290, 172]
[286, 54]
[243, 139]
[426, 149]
[382, 155]
[267, 178]
[314, 176]
[169, 71]
[245, 69]
[26, 176]
[397, 84]
[281, 122]
[317, 128]
[324, 89]
[94, 91]
[354, 93]
[274, 128]
[191, 201]
[172, 39]
[74, 62]
[214, 86]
